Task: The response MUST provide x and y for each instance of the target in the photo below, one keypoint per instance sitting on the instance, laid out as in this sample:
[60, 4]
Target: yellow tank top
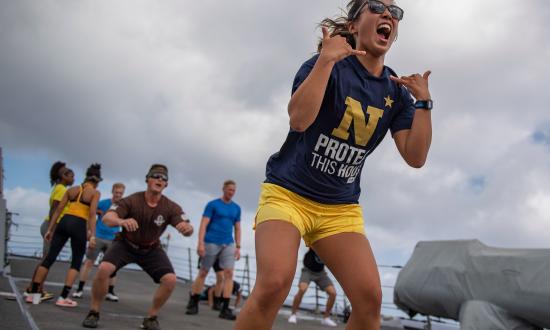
[77, 208]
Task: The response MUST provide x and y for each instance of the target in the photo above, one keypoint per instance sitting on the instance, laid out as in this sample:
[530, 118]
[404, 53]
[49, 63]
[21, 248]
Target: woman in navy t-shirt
[344, 101]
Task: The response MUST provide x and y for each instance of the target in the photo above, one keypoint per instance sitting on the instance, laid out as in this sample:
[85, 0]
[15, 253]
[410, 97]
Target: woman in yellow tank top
[78, 224]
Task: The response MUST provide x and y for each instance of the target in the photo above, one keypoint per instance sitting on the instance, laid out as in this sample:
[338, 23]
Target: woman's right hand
[336, 48]
[48, 236]
[91, 242]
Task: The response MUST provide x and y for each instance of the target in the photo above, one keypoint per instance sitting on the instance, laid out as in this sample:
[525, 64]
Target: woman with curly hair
[77, 224]
[61, 177]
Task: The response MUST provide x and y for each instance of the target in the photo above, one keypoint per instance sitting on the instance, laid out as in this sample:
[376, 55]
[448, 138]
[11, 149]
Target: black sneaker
[227, 314]
[150, 323]
[91, 320]
[217, 306]
[192, 306]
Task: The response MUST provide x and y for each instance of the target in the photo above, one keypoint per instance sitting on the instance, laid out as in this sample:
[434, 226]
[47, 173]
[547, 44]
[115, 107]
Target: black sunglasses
[378, 7]
[159, 176]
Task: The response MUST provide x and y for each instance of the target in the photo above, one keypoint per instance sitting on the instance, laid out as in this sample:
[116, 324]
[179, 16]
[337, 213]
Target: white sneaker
[292, 319]
[328, 322]
[33, 298]
[43, 297]
[78, 294]
[67, 302]
[111, 297]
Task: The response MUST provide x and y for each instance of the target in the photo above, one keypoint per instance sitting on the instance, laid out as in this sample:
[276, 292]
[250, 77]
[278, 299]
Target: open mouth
[384, 30]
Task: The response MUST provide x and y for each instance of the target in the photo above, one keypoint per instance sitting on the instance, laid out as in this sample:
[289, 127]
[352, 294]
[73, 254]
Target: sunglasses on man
[159, 176]
[378, 7]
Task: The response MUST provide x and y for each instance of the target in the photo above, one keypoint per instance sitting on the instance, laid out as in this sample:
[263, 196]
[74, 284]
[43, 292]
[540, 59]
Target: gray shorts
[45, 244]
[101, 245]
[320, 278]
[225, 253]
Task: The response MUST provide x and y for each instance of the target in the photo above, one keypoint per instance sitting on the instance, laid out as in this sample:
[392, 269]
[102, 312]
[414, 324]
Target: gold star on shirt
[389, 101]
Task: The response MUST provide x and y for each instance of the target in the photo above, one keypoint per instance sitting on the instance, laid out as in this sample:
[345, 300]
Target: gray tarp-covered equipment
[441, 276]
[476, 314]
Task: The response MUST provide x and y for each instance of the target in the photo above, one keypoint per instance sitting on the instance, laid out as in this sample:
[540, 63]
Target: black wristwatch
[424, 104]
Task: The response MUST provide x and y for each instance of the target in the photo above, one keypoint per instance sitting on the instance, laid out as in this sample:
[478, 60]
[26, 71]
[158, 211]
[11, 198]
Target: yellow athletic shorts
[314, 220]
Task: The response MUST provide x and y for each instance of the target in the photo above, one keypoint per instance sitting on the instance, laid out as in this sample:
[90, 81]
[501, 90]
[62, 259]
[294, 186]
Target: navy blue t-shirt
[324, 162]
[223, 217]
[313, 262]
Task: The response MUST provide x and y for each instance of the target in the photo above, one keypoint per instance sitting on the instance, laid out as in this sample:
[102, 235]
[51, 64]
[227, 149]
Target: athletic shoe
[45, 295]
[227, 314]
[217, 306]
[33, 298]
[91, 320]
[192, 306]
[67, 302]
[293, 319]
[150, 323]
[111, 297]
[78, 294]
[328, 322]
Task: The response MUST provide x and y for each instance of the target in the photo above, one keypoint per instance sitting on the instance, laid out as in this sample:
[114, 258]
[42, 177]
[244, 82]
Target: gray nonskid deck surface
[135, 290]
[10, 313]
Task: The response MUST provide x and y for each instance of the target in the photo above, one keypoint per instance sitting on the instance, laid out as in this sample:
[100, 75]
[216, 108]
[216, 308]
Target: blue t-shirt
[223, 217]
[324, 162]
[101, 230]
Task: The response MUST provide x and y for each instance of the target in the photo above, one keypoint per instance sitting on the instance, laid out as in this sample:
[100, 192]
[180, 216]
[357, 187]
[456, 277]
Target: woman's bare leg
[277, 244]
[350, 259]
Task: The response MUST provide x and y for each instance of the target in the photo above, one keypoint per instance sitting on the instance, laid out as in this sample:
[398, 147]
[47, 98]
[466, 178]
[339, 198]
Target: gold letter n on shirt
[363, 130]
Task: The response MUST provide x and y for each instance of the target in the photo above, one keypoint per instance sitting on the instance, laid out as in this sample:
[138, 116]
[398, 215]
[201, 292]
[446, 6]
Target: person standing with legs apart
[143, 217]
[78, 224]
[214, 293]
[314, 271]
[61, 177]
[221, 216]
[344, 100]
[104, 238]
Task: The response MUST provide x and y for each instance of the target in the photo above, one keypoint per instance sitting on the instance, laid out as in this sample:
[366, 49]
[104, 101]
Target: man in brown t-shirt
[143, 217]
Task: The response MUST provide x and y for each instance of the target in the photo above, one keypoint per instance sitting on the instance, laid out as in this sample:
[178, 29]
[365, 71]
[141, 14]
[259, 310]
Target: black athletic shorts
[153, 261]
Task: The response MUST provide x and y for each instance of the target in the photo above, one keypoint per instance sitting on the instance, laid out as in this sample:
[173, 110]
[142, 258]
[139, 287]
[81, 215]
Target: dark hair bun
[93, 173]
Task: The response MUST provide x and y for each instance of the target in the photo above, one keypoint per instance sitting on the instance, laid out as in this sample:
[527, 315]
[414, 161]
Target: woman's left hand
[417, 84]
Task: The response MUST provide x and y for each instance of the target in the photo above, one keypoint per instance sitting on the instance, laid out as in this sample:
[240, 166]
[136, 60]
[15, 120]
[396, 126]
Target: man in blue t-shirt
[221, 216]
[104, 238]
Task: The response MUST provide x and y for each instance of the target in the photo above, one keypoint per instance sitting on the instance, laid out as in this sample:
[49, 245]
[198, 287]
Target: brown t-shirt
[152, 221]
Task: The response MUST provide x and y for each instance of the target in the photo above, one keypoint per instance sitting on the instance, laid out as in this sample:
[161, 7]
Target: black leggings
[71, 227]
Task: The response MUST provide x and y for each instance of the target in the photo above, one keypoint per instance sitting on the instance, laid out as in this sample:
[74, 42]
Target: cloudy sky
[202, 86]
